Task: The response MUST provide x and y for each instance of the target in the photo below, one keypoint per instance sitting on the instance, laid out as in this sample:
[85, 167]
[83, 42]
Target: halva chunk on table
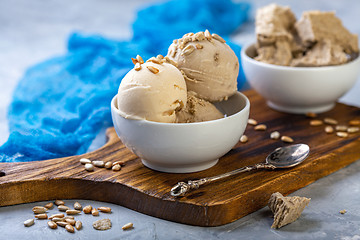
[286, 209]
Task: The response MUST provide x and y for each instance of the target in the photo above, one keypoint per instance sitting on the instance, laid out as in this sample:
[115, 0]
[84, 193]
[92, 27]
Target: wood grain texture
[218, 203]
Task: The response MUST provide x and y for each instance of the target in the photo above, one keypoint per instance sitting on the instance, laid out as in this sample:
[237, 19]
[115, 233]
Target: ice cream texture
[316, 39]
[209, 65]
[154, 91]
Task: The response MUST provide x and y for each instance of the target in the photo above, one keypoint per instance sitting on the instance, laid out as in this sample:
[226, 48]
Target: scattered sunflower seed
[260, 127]
[39, 209]
[89, 167]
[108, 165]
[330, 121]
[52, 224]
[207, 35]
[353, 129]
[116, 167]
[41, 216]
[329, 129]
[72, 212]
[70, 228]
[275, 135]
[354, 122]
[98, 163]
[29, 222]
[63, 208]
[199, 36]
[59, 202]
[128, 226]
[95, 212]
[137, 67]
[87, 209]
[77, 206]
[70, 221]
[84, 161]
[189, 49]
[49, 205]
[103, 224]
[341, 128]
[56, 219]
[134, 60]
[217, 37]
[311, 115]
[252, 121]
[342, 211]
[342, 134]
[104, 209]
[139, 59]
[160, 56]
[316, 122]
[152, 69]
[121, 163]
[244, 139]
[62, 224]
[287, 139]
[58, 215]
[199, 46]
[154, 60]
[69, 217]
[78, 225]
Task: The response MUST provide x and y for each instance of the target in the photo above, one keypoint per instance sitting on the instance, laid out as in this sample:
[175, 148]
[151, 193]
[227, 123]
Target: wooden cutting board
[225, 201]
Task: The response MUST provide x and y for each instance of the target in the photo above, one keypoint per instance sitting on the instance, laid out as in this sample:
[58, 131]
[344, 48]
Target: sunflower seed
[353, 129]
[316, 122]
[189, 49]
[41, 216]
[69, 228]
[121, 163]
[78, 225]
[217, 37]
[87, 209]
[260, 127]
[199, 36]
[70, 221]
[244, 139]
[108, 165]
[207, 35]
[49, 205]
[342, 134]
[341, 128]
[59, 202]
[171, 61]
[63, 208]
[52, 224]
[58, 215]
[77, 206]
[252, 121]
[69, 217]
[154, 60]
[275, 135]
[103, 224]
[342, 211]
[287, 139]
[329, 129]
[354, 122]
[137, 67]
[160, 56]
[29, 222]
[330, 121]
[152, 69]
[89, 167]
[134, 60]
[95, 212]
[139, 59]
[39, 209]
[116, 167]
[83, 161]
[56, 219]
[98, 163]
[128, 226]
[311, 114]
[62, 224]
[104, 209]
[72, 212]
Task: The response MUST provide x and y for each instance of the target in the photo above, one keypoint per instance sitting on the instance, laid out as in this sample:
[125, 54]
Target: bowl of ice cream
[182, 112]
[301, 66]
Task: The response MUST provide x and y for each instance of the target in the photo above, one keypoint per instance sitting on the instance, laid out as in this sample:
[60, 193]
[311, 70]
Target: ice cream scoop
[153, 91]
[209, 65]
[197, 110]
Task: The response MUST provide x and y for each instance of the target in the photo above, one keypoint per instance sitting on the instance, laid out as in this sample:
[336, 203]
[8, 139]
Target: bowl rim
[245, 108]
[269, 65]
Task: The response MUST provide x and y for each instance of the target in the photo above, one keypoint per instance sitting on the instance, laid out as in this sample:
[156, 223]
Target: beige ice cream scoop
[209, 65]
[197, 110]
[152, 91]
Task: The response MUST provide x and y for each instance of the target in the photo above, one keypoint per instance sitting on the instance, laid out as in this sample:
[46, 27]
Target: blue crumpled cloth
[60, 105]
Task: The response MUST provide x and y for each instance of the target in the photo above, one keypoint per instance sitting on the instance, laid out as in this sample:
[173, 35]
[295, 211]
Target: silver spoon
[282, 157]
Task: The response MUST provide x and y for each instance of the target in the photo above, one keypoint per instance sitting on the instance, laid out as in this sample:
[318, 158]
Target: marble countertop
[33, 31]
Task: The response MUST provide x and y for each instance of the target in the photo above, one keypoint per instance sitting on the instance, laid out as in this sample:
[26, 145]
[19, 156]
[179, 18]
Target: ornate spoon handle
[181, 188]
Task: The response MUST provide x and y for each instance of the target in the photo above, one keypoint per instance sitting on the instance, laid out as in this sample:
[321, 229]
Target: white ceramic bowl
[184, 147]
[299, 89]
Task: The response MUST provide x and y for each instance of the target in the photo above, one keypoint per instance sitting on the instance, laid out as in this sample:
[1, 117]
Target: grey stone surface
[33, 31]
